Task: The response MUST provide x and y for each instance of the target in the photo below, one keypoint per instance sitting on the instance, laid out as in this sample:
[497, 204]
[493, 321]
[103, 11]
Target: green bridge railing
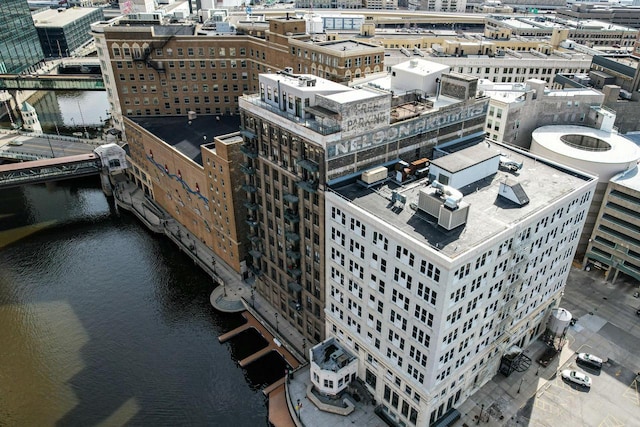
[50, 82]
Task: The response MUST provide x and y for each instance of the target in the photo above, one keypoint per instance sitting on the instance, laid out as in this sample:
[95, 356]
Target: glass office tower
[19, 44]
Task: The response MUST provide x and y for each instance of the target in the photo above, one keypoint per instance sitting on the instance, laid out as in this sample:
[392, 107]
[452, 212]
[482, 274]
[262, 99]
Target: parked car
[577, 377]
[15, 143]
[590, 360]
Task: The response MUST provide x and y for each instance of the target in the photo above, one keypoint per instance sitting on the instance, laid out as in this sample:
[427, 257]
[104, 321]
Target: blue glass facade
[19, 44]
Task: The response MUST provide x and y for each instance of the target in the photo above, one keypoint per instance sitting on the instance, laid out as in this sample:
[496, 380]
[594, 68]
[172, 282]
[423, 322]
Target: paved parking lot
[607, 327]
[613, 399]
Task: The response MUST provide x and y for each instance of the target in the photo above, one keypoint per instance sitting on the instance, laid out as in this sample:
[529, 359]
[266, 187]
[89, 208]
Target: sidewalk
[498, 402]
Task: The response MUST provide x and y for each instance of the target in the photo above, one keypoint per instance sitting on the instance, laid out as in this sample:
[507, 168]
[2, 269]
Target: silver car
[590, 360]
[577, 377]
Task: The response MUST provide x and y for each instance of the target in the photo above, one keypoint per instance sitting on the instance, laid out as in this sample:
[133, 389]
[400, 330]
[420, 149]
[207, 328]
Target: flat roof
[53, 18]
[331, 355]
[542, 22]
[321, 84]
[620, 150]
[353, 95]
[465, 158]
[515, 92]
[629, 179]
[489, 214]
[418, 65]
[347, 45]
[187, 136]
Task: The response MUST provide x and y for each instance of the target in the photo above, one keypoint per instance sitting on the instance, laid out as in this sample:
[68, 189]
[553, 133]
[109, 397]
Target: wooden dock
[279, 414]
[272, 342]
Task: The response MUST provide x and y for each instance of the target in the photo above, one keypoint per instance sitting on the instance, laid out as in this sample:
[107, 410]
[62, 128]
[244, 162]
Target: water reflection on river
[66, 112]
[101, 321]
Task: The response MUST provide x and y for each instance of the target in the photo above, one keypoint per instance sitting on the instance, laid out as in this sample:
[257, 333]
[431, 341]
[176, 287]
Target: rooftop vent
[512, 165]
[514, 192]
[450, 195]
[306, 81]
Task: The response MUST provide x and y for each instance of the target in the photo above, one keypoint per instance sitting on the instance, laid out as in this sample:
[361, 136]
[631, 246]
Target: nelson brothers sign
[405, 129]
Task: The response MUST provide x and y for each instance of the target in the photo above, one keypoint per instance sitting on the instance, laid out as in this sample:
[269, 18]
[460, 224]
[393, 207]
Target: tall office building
[437, 283]
[19, 44]
[302, 132]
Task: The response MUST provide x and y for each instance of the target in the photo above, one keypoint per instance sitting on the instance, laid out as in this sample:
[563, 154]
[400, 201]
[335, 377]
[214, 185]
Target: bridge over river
[106, 160]
[39, 171]
[51, 82]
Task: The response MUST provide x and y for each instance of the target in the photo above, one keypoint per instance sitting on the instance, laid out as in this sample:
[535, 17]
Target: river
[65, 112]
[104, 323]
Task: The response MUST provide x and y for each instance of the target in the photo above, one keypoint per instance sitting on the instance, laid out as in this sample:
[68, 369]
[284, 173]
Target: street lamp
[277, 323]
[480, 416]
[53, 155]
[520, 386]
[304, 348]
[253, 301]
[224, 285]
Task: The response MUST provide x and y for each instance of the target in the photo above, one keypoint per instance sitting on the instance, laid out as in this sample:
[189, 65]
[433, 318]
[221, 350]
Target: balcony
[292, 236]
[256, 254]
[249, 151]
[251, 206]
[291, 198]
[293, 254]
[295, 305]
[246, 169]
[294, 271]
[294, 286]
[291, 216]
[255, 270]
[302, 121]
[248, 133]
[309, 165]
[310, 186]
[253, 238]
[252, 222]
[249, 188]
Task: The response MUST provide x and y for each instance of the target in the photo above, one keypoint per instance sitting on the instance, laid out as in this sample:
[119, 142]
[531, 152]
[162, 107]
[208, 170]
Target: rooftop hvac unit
[374, 175]
[445, 204]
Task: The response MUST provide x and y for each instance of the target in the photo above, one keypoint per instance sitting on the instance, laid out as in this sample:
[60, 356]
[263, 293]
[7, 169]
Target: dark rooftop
[187, 135]
[466, 158]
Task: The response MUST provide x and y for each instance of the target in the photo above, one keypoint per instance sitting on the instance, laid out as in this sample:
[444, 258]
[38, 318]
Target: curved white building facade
[602, 153]
[599, 152]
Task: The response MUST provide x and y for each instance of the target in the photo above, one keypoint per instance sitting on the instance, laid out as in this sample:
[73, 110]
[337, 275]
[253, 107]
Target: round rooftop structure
[592, 150]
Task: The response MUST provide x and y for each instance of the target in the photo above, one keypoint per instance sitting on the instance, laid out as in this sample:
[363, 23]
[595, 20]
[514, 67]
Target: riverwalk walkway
[231, 293]
[273, 343]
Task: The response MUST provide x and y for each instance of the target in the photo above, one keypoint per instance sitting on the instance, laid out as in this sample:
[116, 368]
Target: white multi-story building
[435, 287]
[513, 67]
[517, 109]
[438, 5]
